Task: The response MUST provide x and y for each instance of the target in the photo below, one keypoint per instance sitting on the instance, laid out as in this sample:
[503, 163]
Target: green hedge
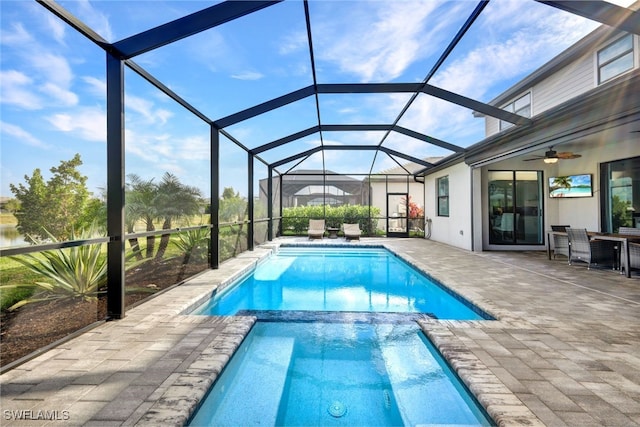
[297, 219]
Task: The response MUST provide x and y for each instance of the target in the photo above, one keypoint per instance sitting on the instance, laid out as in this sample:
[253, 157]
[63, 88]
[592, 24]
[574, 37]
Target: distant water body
[10, 236]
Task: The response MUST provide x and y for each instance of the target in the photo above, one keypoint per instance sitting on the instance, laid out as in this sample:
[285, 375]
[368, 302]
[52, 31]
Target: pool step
[334, 316]
[259, 379]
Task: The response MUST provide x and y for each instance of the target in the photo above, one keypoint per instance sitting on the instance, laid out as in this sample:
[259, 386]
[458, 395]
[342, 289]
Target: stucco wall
[455, 229]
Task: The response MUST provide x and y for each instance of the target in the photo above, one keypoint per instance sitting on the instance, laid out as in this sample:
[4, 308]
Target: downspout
[473, 246]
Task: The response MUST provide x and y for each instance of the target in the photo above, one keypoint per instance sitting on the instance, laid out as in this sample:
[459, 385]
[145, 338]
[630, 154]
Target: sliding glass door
[515, 208]
[620, 192]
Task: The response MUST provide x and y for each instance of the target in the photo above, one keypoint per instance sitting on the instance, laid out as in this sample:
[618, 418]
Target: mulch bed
[37, 325]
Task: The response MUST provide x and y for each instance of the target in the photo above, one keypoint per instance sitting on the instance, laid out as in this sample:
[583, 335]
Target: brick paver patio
[565, 349]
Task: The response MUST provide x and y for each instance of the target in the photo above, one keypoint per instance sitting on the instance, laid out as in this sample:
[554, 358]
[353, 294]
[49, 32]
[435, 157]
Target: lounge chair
[590, 251]
[316, 229]
[351, 231]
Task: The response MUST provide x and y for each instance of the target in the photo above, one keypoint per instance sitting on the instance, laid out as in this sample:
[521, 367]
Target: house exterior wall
[574, 79]
[456, 229]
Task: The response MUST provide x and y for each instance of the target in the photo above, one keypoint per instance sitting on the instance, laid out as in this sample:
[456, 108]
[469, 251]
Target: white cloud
[384, 46]
[147, 109]
[87, 123]
[52, 67]
[97, 20]
[17, 37]
[293, 42]
[193, 148]
[16, 89]
[49, 72]
[56, 27]
[21, 135]
[97, 87]
[63, 96]
[248, 75]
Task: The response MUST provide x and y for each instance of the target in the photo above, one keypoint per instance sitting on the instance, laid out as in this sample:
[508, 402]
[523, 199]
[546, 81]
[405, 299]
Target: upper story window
[615, 59]
[443, 195]
[521, 106]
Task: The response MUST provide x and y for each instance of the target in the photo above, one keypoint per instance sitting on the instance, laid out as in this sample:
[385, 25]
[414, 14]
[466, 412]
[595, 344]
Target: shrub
[296, 219]
[77, 272]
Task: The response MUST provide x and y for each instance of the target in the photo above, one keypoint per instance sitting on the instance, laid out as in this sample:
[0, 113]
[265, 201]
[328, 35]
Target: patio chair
[630, 231]
[634, 248]
[316, 228]
[351, 231]
[590, 251]
[634, 255]
[560, 243]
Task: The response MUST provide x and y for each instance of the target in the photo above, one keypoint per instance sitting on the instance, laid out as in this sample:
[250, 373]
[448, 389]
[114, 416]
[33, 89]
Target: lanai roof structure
[313, 97]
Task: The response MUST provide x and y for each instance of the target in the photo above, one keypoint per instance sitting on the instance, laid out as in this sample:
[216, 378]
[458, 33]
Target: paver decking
[565, 349]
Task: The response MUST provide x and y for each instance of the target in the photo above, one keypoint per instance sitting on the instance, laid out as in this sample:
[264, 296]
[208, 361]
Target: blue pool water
[344, 279]
[337, 374]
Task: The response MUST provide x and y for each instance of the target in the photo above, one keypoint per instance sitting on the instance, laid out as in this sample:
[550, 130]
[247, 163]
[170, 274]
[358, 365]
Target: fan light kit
[550, 157]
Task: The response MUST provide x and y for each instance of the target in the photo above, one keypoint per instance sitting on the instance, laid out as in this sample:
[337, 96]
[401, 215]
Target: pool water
[343, 279]
[337, 374]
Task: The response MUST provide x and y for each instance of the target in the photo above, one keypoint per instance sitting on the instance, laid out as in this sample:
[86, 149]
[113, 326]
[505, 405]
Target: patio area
[565, 349]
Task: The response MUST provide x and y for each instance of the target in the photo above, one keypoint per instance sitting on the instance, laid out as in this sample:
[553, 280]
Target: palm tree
[140, 205]
[562, 182]
[173, 201]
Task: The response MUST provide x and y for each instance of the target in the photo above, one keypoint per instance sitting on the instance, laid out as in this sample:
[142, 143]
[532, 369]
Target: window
[521, 106]
[615, 59]
[443, 196]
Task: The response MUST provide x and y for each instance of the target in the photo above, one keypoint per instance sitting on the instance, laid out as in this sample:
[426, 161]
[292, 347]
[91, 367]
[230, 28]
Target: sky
[52, 82]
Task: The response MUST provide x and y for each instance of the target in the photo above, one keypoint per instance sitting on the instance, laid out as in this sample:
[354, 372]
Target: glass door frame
[525, 220]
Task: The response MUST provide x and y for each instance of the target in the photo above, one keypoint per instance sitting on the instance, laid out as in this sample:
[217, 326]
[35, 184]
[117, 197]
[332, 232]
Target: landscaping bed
[37, 325]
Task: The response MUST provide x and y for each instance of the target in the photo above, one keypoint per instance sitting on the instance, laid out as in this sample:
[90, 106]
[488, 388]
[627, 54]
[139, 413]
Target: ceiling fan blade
[567, 155]
[534, 158]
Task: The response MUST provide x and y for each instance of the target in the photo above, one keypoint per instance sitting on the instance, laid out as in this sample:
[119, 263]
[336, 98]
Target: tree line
[62, 206]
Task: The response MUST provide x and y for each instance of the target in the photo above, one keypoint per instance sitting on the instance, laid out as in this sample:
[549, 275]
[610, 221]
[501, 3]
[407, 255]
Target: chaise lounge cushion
[352, 231]
[316, 228]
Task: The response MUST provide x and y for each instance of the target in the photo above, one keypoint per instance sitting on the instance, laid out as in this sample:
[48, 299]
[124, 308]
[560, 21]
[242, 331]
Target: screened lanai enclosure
[159, 139]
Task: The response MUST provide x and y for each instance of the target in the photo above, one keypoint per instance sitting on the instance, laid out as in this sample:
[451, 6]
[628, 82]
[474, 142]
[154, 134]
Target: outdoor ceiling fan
[552, 156]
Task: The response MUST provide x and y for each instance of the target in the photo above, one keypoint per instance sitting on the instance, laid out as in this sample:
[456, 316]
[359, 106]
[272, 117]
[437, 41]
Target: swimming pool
[348, 352]
[342, 374]
[339, 279]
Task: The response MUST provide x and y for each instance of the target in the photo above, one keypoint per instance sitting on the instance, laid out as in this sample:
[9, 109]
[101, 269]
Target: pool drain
[337, 409]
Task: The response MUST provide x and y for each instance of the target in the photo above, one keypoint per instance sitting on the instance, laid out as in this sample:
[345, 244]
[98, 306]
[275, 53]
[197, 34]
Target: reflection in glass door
[515, 207]
[397, 214]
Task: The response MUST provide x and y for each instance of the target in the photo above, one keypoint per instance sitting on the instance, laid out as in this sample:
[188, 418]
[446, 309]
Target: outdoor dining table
[614, 237]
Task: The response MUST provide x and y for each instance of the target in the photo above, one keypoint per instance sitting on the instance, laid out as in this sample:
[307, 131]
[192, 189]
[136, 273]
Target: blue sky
[52, 99]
